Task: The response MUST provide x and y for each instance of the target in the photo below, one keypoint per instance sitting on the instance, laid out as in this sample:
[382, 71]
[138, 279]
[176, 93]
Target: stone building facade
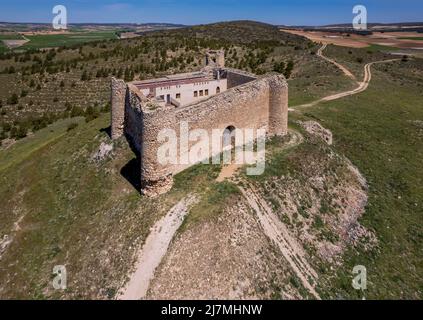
[245, 101]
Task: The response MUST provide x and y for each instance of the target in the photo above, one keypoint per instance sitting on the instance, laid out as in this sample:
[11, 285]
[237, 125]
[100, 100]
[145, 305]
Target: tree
[91, 113]
[72, 126]
[84, 76]
[288, 69]
[76, 112]
[279, 67]
[22, 131]
[14, 99]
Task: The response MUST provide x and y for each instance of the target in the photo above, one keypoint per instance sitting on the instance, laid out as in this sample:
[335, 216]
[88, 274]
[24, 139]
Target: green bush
[91, 113]
[14, 99]
[72, 126]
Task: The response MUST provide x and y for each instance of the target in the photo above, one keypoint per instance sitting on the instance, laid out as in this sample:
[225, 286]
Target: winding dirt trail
[279, 234]
[362, 86]
[274, 228]
[155, 248]
[347, 72]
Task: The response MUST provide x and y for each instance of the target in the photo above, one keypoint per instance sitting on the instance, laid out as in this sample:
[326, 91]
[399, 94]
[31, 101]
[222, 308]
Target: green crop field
[3, 48]
[412, 38]
[10, 37]
[59, 40]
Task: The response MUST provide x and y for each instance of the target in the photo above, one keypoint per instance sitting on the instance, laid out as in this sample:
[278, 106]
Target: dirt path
[228, 171]
[275, 230]
[340, 66]
[154, 249]
[362, 86]
[278, 233]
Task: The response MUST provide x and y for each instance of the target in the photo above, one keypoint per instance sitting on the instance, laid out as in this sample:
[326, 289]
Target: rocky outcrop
[316, 129]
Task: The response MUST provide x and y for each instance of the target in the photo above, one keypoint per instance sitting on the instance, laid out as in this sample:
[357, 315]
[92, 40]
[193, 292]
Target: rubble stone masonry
[250, 102]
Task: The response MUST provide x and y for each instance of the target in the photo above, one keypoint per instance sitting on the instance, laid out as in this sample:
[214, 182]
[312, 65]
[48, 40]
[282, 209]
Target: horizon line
[208, 23]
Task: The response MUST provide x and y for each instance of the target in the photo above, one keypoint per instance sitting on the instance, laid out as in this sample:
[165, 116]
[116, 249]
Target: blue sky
[293, 12]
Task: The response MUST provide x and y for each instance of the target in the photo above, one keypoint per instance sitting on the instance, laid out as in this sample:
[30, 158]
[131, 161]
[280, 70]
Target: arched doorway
[229, 143]
[217, 90]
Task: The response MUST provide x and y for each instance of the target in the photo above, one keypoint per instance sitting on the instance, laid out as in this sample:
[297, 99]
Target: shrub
[84, 76]
[72, 126]
[288, 69]
[279, 67]
[91, 113]
[77, 112]
[14, 99]
[106, 108]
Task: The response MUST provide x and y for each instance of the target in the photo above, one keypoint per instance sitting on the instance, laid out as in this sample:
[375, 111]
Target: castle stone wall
[133, 118]
[118, 96]
[254, 105]
[251, 104]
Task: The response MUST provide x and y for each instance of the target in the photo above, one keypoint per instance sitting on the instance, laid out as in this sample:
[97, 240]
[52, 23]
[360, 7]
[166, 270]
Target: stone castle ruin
[213, 98]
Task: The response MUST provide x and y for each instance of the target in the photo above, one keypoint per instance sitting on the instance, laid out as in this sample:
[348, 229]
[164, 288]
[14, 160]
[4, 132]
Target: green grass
[72, 211]
[10, 37]
[378, 47]
[3, 47]
[59, 40]
[305, 90]
[80, 213]
[375, 130]
[22, 149]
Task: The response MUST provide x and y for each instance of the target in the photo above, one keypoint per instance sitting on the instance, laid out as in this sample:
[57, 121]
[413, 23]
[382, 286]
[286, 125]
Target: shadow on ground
[131, 172]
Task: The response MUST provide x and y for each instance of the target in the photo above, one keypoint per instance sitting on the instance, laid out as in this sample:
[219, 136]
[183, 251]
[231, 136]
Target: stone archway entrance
[229, 143]
[229, 148]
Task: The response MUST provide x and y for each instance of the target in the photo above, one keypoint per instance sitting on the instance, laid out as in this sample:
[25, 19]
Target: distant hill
[33, 27]
[387, 27]
[242, 31]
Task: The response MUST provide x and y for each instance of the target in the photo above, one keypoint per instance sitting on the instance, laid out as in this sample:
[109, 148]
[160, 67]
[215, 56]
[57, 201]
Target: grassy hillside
[381, 131]
[63, 205]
